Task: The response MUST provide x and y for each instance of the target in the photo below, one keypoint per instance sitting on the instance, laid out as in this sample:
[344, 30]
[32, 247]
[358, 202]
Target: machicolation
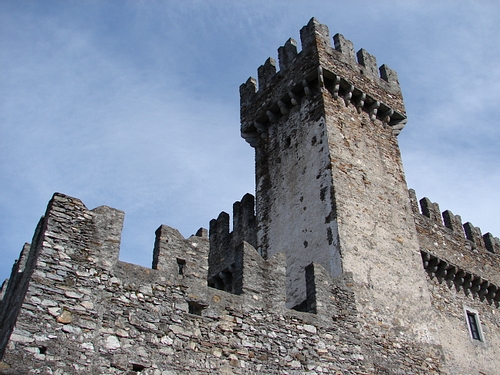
[332, 267]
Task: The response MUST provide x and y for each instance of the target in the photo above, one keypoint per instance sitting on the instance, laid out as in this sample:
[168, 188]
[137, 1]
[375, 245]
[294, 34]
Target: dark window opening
[181, 263]
[474, 326]
[196, 308]
[137, 368]
[223, 280]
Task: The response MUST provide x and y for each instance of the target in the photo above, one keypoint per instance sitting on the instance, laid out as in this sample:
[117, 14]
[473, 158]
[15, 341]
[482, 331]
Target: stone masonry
[333, 267]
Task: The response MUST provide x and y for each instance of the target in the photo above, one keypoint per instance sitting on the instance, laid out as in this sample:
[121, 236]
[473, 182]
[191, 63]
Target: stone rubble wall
[82, 313]
[462, 272]
[462, 354]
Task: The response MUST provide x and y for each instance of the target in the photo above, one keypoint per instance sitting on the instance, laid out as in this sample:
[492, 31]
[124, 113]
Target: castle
[334, 267]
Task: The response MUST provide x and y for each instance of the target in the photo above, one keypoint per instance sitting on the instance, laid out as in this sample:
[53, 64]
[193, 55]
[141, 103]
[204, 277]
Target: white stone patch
[178, 330]
[124, 299]
[35, 300]
[39, 273]
[87, 346]
[112, 343]
[40, 337]
[88, 324]
[309, 328]
[121, 332]
[71, 329]
[166, 340]
[63, 255]
[49, 303]
[141, 352]
[19, 338]
[247, 343]
[145, 289]
[88, 305]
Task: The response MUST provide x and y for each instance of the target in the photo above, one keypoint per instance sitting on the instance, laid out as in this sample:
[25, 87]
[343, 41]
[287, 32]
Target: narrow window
[224, 281]
[181, 263]
[474, 324]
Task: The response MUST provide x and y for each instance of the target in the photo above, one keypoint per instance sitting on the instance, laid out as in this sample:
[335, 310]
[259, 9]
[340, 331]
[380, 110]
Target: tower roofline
[334, 68]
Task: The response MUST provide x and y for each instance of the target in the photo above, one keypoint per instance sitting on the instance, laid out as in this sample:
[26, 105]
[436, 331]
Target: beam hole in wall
[196, 308]
[137, 367]
[42, 349]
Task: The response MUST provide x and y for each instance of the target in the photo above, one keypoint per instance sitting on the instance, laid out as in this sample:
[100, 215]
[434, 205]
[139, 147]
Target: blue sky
[135, 104]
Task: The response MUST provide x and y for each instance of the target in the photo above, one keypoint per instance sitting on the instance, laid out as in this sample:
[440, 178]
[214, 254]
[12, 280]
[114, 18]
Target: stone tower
[330, 186]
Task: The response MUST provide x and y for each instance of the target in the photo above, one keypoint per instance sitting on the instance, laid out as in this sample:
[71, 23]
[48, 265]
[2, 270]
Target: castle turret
[330, 186]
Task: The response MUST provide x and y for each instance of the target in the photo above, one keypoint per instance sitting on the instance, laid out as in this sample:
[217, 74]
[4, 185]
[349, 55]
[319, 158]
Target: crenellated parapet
[225, 260]
[68, 235]
[74, 296]
[353, 78]
[184, 258]
[457, 252]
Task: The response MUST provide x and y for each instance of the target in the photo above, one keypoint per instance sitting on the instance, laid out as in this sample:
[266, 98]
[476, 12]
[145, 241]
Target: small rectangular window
[474, 324]
[181, 264]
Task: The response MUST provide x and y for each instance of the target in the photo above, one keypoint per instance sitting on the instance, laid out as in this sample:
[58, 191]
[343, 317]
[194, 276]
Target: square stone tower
[330, 186]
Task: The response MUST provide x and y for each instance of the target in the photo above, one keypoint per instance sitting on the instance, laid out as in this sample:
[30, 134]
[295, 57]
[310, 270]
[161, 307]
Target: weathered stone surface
[66, 317]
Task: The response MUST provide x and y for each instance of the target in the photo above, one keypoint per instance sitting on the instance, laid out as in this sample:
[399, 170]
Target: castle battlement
[70, 279]
[455, 252]
[353, 77]
[446, 219]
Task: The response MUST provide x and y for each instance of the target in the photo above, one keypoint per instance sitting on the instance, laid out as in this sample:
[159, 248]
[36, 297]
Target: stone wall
[86, 313]
[462, 273]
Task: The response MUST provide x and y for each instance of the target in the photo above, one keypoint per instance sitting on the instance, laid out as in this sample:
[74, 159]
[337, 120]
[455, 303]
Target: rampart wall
[462, 268]
[87, 312]
[457, 252]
